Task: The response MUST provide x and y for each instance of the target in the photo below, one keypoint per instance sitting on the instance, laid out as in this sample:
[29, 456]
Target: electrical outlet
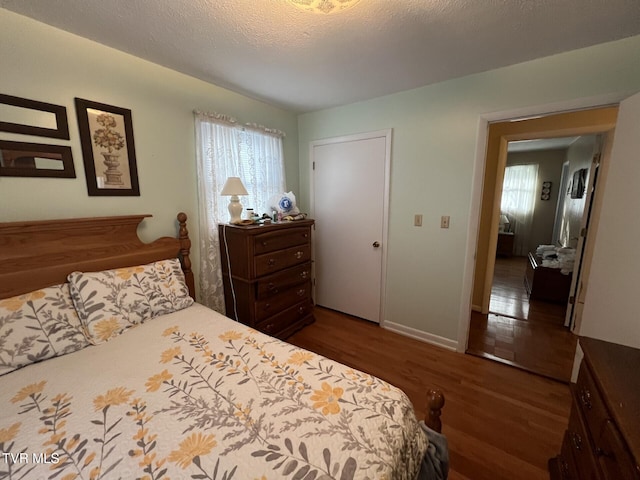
[417, 220]
[444, 221]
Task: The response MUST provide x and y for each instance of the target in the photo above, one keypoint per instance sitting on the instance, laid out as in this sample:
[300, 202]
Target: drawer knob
[265, 243]
[271, 262]
[601, 452]
[301, 310]
[304, 274]
[305, 235]
[301, 292]
[576, 440]
[585, 398]
[267, 306]
[299, 254]
[269, 327]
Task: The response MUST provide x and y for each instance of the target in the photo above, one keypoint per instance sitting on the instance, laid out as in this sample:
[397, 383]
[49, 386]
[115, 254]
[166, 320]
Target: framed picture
[30, 117]
[106, 136]
[21, 159]
[578, 183]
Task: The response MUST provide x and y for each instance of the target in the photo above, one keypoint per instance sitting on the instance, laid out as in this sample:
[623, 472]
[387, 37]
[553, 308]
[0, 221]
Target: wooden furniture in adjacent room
[544, 283]
[602, 441]
[266, 271]
[505, 244]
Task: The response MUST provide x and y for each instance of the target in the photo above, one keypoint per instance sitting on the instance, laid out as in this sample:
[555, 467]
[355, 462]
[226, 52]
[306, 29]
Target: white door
[578, 280]
[350, 181]
[607, 306]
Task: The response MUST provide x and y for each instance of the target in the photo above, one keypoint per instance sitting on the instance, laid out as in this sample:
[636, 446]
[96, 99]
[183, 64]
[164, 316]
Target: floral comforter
[195, 395]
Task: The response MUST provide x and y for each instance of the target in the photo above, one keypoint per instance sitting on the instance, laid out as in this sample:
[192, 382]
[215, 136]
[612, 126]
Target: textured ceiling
[271, 51]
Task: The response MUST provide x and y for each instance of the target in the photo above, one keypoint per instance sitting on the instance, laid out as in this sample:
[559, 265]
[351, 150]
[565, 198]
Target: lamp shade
[233, 186]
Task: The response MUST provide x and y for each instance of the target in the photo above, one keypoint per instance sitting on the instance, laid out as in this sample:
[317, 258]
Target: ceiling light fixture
[324, 6]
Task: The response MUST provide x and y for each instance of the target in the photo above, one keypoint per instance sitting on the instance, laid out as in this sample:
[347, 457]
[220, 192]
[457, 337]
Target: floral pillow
[111, 301]
[38, 325]
[166, 288]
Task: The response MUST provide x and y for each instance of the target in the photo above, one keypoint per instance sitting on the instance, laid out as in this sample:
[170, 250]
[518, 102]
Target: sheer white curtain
[224, 149]
[518, 202]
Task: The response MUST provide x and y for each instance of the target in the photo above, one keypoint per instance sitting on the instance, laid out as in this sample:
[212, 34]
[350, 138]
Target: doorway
[501, 324]
[349, 201]
[525, 325]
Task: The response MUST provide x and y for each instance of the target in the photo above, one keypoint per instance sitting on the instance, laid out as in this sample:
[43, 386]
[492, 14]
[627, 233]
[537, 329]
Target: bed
[109, 369]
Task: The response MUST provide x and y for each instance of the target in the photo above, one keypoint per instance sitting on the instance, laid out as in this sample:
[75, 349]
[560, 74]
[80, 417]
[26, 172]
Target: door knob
[376, 244]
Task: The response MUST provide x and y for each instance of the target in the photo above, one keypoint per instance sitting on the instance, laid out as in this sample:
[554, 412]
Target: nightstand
[505, 244]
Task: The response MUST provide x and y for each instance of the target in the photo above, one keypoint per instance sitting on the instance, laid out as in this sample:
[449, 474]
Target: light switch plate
[444, 221]
[417, 220]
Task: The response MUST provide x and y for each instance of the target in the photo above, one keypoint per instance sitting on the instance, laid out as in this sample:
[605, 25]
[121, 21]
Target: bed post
[435, 402]
[185, 248]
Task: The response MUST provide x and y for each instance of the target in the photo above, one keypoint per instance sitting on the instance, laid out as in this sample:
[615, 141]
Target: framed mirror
[30, 117]
[21, 159]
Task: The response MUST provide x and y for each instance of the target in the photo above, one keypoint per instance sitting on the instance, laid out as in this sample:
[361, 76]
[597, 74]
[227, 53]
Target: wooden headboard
[38, 254]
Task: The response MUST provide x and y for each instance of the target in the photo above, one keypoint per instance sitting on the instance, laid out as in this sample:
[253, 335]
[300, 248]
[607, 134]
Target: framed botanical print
[108, 150]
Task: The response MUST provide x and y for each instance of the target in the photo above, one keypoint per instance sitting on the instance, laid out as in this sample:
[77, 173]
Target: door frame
[477, 188]
[387, 134]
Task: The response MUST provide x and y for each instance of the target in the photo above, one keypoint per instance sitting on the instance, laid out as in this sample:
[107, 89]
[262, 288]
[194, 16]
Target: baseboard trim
[420, 335]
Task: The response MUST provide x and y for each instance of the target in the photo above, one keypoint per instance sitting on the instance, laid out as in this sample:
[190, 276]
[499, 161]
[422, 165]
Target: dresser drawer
[581, 447]
[276, 303]
[613, 456]
[283, 280]
[590, 402]
[272, 241]
[283, 320]
[276, 261]
[567, 463]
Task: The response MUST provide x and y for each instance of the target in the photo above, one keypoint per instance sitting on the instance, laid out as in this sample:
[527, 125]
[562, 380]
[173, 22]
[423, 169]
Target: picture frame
[22, 159]
[545, 194]
[108, 149]
[578, 183]
[33, 111]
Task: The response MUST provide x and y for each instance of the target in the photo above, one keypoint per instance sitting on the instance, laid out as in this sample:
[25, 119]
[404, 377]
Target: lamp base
[235, 210]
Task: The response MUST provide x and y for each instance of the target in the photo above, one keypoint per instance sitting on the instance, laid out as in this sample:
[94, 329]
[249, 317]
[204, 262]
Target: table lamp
[234, 187]
[504, 221]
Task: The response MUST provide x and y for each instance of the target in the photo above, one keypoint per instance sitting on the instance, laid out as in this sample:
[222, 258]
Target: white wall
[43, 63]
[433, 153]
[611, 303]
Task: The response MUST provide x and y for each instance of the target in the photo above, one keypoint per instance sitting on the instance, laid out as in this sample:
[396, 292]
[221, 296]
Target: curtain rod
[222, 118]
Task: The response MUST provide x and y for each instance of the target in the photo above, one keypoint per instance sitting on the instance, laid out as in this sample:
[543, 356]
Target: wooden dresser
[544, 283]
[266, 271]
[602, 441]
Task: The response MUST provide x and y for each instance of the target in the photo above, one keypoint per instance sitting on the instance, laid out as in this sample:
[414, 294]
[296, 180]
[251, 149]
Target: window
[518, 202]
[225, 149]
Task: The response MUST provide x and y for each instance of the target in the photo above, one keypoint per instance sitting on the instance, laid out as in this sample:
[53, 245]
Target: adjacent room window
[518, 201]
[226, 149]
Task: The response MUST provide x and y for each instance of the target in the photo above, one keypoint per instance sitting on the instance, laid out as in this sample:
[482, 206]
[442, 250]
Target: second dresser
[266, 270]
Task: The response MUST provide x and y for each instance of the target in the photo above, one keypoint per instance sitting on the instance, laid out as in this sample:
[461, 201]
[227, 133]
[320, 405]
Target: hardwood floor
[501, 422]
[519, 332]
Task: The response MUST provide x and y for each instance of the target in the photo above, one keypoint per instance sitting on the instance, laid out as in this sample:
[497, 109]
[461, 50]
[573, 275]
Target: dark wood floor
[501, 422]
[522, 333]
